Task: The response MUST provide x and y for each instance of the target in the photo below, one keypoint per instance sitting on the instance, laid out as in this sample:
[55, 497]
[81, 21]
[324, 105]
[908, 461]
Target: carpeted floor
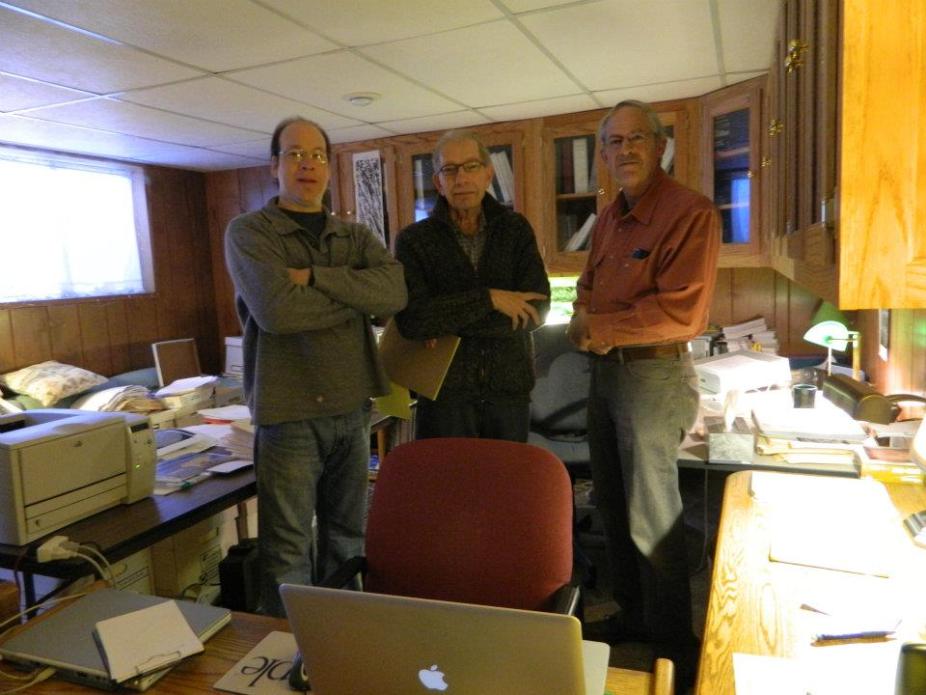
[701, 497]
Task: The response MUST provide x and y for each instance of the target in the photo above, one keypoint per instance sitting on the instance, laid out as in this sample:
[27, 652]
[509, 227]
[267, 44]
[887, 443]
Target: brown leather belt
[670, 351]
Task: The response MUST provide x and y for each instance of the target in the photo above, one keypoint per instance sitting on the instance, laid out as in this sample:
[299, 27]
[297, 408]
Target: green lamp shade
[829, 334]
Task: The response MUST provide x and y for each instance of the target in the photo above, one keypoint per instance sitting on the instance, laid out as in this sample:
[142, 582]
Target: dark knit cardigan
[447, 296]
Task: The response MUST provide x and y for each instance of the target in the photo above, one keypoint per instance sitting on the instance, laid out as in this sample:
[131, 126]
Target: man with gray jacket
[307, 285]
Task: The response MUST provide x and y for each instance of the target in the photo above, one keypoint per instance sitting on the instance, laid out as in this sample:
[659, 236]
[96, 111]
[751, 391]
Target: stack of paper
[186, 395]
[751, 335]
[136, 399]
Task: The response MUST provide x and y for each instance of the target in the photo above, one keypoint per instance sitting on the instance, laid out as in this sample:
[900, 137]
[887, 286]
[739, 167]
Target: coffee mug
[804, 395]
[911, 670]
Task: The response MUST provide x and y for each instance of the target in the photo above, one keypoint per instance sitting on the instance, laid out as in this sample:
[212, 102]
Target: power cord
[40, 676]
[61, 548]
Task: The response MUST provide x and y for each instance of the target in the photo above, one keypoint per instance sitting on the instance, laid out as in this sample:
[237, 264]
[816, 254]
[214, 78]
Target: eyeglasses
[633, 141]
[451, 170]
[299, 156]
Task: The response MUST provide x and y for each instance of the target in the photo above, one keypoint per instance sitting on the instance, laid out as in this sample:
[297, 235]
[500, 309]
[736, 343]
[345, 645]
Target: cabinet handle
[749, 174]
[766, 162]
[795, 56]
[600, 191]
[775, 127]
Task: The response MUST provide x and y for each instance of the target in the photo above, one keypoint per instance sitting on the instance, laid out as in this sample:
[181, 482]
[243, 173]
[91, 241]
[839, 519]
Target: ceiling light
[362, 98]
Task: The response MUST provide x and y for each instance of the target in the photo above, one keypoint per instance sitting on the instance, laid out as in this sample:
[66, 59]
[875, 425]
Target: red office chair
[471, 520]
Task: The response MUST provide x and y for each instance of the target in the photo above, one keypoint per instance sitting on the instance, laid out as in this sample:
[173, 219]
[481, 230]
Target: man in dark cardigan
[473, 270]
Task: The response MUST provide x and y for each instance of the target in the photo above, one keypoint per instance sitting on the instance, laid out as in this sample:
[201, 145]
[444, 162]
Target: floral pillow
[49, 382]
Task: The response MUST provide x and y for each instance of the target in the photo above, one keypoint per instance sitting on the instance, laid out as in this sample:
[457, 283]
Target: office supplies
[825, 424]
[357, 642]
[64, 639]
[150, 639]
[60, 466]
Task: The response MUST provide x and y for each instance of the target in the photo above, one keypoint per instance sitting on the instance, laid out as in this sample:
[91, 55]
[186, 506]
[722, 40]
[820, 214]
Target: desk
[197, 674]
[754, 603]
[125, 529]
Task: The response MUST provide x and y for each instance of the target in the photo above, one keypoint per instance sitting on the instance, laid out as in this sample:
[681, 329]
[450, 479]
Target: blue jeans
[309, 468]
[638, 414]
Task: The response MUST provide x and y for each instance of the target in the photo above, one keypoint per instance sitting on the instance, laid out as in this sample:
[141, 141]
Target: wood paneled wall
[114, 335]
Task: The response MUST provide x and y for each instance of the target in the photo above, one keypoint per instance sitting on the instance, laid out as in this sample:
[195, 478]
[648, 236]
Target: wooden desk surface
[197, 674]
[754, 604]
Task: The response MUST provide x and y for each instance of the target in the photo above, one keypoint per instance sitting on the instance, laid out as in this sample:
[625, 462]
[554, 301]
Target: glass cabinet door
[732, 176]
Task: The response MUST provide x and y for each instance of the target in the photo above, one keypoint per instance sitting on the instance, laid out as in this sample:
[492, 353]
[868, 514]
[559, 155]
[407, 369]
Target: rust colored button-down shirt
[651, 272]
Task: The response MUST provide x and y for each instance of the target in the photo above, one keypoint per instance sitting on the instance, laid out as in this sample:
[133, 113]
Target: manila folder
[412, 365]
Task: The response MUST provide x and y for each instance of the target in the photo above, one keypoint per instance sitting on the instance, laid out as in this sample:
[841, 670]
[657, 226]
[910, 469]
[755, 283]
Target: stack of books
[751, 335]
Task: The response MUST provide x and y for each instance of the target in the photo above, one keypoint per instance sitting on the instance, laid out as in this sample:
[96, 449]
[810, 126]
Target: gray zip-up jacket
[309, 351]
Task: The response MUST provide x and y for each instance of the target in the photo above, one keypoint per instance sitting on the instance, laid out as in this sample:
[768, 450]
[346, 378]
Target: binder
[412, 365]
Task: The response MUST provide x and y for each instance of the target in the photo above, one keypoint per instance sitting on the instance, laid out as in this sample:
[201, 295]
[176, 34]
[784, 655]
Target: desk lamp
[828, 329]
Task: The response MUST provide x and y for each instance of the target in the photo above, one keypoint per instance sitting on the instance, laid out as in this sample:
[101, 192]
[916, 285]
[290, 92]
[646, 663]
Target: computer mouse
[298, 678]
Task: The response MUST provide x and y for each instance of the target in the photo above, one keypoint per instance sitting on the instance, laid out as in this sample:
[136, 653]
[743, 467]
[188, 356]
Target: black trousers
[475, 418]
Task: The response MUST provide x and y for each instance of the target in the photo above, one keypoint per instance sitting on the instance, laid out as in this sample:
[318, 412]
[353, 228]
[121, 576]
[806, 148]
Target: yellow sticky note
[397, 404]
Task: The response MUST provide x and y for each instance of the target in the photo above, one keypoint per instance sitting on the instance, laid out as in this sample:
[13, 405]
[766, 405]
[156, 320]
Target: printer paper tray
[50, 515]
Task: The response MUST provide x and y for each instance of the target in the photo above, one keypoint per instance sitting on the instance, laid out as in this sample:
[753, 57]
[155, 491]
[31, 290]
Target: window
[71, 227]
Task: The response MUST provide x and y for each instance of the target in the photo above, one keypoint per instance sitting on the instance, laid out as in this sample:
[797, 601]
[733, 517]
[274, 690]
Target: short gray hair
[459, 135]
[654, 123]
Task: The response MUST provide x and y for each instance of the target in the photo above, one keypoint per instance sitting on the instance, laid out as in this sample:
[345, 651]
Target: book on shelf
[580, 164]
[503, 176]
[668, 155]
[741, 330]
[566, 183]
[419, 178]
[579, 240]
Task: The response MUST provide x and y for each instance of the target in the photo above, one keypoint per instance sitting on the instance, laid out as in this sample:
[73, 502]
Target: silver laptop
[354, 642]
[64, 640]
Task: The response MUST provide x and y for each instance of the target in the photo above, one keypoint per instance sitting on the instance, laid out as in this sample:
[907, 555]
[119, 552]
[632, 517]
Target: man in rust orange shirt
[644, 294]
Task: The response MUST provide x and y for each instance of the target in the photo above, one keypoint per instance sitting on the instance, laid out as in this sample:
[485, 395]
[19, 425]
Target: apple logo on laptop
[432, 678]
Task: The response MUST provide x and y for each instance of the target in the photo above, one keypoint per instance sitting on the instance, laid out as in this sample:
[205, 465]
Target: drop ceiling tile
[214, 35]
[131, 119]
[18, 93]
[34, 48]
[443, 121]
[255, 149]
[360, 132]
[530, 5]
[747, 30]
[200, 159]
[362, 22]
[324, 80]
[621, 43]
[480, 66]
[661, 92]
[217, 99]
[542, 107]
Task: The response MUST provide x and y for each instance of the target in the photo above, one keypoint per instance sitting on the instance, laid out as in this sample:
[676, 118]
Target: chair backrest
[471, 520]
[560, 394]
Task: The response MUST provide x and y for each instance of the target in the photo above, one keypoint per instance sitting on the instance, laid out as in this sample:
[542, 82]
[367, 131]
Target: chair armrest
[343, 575]
[566, 600]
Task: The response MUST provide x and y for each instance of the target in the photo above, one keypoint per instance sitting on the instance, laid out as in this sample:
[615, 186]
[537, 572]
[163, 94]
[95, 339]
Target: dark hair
[278, 131]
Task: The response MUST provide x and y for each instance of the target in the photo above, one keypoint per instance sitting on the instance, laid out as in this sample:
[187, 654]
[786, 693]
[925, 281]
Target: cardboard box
[186, 565]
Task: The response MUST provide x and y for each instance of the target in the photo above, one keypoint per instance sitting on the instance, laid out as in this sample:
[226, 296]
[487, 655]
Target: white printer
[744, 370]
[60, 466]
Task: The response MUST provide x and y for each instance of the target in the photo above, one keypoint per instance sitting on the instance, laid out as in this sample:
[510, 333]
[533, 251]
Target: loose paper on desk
[146, 640]
[264, 670]
[411, 364]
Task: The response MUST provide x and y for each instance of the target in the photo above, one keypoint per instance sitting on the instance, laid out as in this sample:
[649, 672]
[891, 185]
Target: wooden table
[754, 604]
[197, 674]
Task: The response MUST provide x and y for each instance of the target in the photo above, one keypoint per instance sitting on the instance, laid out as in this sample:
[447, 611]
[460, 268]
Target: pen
[869, 634]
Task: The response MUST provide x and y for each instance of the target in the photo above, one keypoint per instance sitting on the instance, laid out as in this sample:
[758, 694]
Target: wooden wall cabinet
[576, 183]
[731, 173]
[847, 204]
